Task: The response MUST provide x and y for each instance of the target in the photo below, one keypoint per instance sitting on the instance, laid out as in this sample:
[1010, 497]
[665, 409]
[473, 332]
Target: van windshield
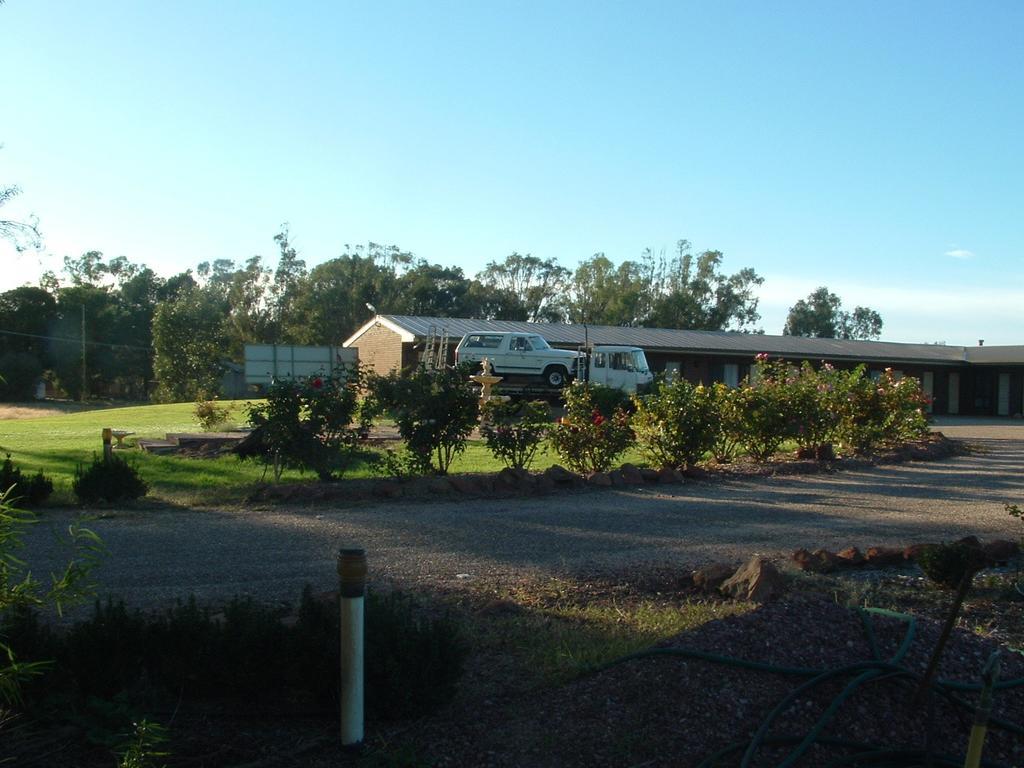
[539, 343]
[640, 361]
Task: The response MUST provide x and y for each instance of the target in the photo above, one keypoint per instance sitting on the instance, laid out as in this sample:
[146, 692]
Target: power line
[76, 341]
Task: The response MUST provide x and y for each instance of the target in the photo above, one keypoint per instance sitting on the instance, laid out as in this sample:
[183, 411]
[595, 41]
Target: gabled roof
[726, 343]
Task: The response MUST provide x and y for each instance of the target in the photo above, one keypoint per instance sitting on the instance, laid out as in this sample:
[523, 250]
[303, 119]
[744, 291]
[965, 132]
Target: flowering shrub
[514, 432]
[726, 444]
[903, 404]
[208, 413]
[677, 425]
[766, 408]
[435, 412]
[586, 439]
[814, 405]
[308, 425]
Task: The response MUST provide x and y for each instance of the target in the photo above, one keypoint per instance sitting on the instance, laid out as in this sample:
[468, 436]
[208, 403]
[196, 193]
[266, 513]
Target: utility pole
[83, 355]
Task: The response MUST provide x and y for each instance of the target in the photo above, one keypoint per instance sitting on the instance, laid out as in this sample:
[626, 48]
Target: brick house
[961, 380]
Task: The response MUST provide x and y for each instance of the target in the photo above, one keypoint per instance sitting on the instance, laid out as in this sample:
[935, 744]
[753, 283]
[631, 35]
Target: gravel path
[156, 555]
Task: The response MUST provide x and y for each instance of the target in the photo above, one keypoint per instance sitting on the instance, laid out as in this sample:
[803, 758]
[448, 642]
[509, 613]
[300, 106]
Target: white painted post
[352, 575]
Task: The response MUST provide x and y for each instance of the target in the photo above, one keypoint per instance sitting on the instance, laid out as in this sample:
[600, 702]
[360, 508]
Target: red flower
[597, 418]
[317, 383]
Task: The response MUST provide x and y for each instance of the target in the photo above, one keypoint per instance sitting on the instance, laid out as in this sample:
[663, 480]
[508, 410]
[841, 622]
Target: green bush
[307, 425]
[814, 405]
[586, 439]
[515, 431]
[435, 412]
[766, 407]
[676, 426]
[726, 444]
[112, 479]
[244, 656]
[948, 564]
[26, 491]
[208, 413]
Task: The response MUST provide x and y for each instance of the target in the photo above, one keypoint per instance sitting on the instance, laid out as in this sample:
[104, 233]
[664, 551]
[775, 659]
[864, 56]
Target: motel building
[976, 381]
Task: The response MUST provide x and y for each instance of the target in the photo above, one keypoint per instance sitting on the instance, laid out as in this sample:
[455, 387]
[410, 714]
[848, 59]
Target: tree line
[139, 327]
[114, 327]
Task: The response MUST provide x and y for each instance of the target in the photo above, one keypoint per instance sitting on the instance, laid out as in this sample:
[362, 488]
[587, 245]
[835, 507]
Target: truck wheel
[556, 376]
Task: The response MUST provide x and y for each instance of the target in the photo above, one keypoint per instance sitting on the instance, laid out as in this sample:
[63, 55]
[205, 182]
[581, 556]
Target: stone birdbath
[486, 379]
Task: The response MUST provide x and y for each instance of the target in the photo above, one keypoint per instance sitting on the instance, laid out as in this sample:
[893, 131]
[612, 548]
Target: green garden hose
[873, 670]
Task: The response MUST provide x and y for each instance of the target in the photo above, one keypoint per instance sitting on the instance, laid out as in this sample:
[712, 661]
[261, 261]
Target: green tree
[333, 302]
[601, 293]
[821, 315]
[189, 344]
[538, 284]
[289, 280]
[432, 290]
[21, 234]
[691, 291]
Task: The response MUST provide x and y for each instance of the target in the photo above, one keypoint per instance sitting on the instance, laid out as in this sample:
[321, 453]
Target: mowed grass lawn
[57, 444]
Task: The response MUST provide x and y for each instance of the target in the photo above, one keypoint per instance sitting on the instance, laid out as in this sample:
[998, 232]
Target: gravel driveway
[155, 556]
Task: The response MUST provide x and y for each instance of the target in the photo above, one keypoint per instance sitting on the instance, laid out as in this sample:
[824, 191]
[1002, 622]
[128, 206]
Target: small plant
[514, 432]
[949, 564]
[27, 491]
[677, 425]
[143, 747]
[586, 439]
[209, 413]
[112, 479]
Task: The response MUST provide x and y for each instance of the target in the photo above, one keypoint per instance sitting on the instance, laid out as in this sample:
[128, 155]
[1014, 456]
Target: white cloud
[960, 253]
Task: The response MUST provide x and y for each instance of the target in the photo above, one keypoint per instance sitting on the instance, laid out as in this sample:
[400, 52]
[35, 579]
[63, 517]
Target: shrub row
[309, 425]
[681, 423]
[244, 657]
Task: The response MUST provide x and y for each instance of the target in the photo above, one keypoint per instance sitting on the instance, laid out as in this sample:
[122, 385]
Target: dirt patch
[45, 408]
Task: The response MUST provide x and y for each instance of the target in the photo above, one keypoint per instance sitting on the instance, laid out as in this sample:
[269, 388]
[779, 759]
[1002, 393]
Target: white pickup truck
[528, 355]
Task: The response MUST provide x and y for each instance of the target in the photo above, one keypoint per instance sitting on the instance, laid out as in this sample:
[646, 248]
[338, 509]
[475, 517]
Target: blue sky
[871, 147]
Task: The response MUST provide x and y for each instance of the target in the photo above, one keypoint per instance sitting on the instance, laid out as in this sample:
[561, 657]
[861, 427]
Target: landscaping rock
[439, 485]
[387, 489]
[819, 561]
[970, 541]
[884, 557]
[602, 479]
[543, 483]
[670, 476]
[631, 475]
[1000, 551]
[649, 475]
[758, 581]
[851, 557]
[560, 475]
[711, 577]
[910, 553]
[466, 484]
[507, 480]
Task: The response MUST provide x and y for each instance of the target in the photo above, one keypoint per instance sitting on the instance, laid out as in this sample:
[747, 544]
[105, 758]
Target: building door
[928, 387]
[954, 394]
[1003, 399]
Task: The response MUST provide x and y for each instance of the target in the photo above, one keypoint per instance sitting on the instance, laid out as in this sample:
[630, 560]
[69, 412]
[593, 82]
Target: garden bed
[508, 483]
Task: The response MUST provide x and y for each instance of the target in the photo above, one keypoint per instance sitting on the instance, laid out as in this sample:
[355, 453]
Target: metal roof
[1010, 354]
[711, 342]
